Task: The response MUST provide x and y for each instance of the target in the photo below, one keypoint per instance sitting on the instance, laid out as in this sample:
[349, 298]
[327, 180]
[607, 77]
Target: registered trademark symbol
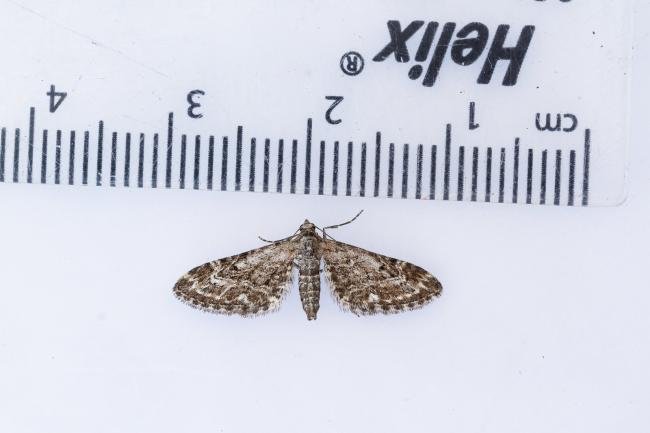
[352, 63]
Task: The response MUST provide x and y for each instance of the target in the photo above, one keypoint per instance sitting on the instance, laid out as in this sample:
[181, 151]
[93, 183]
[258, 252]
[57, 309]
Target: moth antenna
[279, 240]
[342, 224]
[325, 235]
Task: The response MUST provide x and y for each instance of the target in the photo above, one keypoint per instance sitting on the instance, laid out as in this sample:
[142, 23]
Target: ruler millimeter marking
[518, 102]
[188, 172]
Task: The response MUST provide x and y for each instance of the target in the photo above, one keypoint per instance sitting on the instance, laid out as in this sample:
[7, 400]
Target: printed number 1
[56, 98]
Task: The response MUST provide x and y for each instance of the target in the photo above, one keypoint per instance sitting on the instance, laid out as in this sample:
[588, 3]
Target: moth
[256, 282]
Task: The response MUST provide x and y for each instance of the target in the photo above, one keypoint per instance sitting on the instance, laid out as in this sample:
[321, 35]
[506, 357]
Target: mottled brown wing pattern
[367, 283]
[250, 283]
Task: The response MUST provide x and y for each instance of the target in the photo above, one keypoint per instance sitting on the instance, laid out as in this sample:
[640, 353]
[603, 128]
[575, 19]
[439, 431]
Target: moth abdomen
[309, 288]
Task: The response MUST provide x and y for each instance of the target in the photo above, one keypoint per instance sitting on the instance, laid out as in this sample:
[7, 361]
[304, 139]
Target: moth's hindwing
[367, 283]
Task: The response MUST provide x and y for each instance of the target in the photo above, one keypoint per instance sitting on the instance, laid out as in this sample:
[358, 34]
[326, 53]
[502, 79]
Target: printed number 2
[56, 98]
[193, 104]
[328, 114]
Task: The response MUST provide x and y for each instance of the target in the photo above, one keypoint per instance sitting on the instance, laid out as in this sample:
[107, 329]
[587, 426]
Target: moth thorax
[308, 245]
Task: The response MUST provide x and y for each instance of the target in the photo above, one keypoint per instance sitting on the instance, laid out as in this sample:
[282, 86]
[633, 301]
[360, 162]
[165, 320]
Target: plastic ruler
[506, 101]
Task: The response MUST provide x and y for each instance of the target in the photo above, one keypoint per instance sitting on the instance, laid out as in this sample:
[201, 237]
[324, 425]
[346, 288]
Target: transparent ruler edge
[440, 170]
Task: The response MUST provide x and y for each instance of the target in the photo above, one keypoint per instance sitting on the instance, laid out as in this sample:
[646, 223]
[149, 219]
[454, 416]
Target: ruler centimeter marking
[352, 171]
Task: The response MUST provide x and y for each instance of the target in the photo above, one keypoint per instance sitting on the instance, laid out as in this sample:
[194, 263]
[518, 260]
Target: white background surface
[543, 325]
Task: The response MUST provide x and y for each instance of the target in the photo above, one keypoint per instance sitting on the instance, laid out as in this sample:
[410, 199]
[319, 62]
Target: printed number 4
[56, 98]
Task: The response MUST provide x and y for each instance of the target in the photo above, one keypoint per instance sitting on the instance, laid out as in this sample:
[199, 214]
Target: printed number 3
[194, 104]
